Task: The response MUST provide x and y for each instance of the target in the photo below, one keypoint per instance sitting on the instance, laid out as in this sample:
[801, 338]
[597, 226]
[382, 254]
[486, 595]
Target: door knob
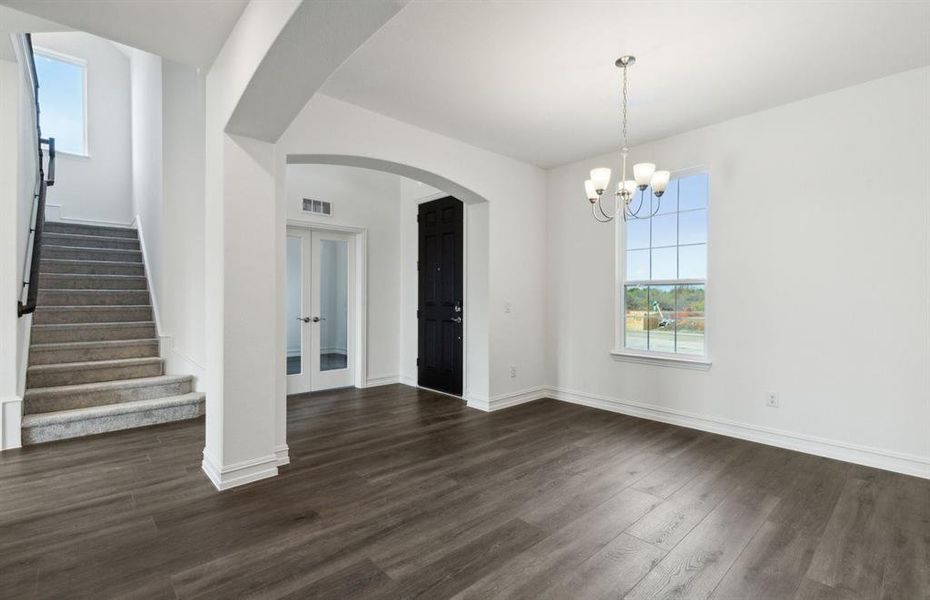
[456, 319]
[309, 320]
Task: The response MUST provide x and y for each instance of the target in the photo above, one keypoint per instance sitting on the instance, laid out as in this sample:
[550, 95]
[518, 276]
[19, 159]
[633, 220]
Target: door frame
[359, 299]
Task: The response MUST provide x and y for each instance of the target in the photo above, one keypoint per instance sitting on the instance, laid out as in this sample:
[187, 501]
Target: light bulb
[589, 190]
[642, 173]
[626, 189]
[659, 182]
[600, 178]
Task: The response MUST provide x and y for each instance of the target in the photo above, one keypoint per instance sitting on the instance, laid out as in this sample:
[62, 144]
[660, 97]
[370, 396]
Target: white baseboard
[179, 363]
[283, 455]
[478, 401]
[26, 324]
[506, 400]
[385, 380]
[53, 213]
[11, 422]
[888, 460]
[241, 473]
[407, 380]
[153, 293]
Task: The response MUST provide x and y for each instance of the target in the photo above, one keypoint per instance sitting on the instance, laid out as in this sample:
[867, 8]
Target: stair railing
[45, 180]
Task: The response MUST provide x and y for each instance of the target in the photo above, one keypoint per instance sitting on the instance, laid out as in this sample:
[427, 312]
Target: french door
[320, 310]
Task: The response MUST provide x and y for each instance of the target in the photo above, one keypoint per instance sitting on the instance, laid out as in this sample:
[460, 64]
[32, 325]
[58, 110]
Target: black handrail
[44, 183]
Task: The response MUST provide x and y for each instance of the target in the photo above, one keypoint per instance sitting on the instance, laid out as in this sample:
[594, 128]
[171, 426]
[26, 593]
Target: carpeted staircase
[94, 361]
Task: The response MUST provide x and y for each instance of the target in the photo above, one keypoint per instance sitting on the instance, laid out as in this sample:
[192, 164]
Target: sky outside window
[61, 102]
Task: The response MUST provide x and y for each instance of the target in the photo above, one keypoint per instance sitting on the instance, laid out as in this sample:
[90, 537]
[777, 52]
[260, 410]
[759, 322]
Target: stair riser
[62, 431]
[51, 239]
[91, 298]
[85, 375]
[59, 253]
[70, 228]
[91, 268]
[78, 282]
[69, 355]
[92, 334]
[50, 402]
[90, 314]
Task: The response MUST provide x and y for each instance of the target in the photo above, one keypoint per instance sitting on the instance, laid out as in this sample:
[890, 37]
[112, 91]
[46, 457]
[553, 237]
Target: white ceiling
[185, 31]
[14, 21]
[536, 81]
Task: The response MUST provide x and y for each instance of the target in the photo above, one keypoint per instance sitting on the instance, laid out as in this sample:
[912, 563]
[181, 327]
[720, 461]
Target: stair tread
[91, 306]
[93, 275]
[98, 386]
[106, 410]
[93, 344]
[127, 250]
[83, 260]
[85, 291]
[89, 226]
[88, 236]
[95, 364]
[108, 324]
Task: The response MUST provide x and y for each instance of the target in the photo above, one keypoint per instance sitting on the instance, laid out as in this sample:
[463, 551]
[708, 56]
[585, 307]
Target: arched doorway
[475, 251]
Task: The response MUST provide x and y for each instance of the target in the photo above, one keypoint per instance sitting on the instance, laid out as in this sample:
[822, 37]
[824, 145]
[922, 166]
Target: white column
[241, 313]
[12, 328]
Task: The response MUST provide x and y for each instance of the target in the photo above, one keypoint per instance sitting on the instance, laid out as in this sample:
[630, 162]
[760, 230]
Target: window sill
[65, 154]
[663, 360]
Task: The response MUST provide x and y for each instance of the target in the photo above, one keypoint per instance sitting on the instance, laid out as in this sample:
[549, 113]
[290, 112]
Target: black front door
[441, 311]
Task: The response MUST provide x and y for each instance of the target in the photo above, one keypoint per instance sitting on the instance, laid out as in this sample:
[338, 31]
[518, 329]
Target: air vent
[318, 207]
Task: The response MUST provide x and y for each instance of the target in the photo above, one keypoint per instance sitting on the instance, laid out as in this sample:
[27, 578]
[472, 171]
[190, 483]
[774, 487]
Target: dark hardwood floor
[398, 493]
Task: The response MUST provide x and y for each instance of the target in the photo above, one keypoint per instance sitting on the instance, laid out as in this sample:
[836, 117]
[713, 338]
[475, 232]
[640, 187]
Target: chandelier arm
[600, 208]
[634, 213]
[658, 205]
[595, 208]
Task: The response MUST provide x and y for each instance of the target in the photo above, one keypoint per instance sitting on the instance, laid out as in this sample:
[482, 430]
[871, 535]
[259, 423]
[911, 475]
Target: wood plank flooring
[395, 492]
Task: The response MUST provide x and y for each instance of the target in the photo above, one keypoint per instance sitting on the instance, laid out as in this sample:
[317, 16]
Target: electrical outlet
[771, 399]
[513, 371]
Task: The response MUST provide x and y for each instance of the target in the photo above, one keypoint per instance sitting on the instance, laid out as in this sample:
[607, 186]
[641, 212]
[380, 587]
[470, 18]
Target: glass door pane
[294, 305]
[334, 303]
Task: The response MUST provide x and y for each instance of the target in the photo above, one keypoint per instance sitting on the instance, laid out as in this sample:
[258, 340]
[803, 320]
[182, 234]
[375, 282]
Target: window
[63, 101]
[665, 273]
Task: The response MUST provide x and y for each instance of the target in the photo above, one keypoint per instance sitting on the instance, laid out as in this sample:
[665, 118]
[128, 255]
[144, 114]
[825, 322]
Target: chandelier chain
[624, 108]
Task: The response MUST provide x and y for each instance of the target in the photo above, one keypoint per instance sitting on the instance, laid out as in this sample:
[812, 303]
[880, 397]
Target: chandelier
[644, 176]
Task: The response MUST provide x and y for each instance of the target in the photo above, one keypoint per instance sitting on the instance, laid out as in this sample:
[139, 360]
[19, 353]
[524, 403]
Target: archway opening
[476, 253]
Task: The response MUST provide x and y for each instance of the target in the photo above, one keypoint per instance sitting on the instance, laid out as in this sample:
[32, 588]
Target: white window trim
[652, 357]
[39, 51]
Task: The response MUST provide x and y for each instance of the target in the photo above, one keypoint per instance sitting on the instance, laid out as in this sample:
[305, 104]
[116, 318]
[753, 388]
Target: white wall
[180, 282]
[819, 278]
[146, 139]
[97, 187]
